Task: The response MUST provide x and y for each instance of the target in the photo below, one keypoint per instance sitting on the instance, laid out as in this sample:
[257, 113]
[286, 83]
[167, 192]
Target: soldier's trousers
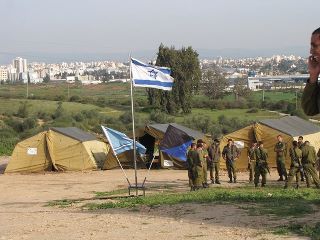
[310, 171]
[260, 170]
[214, 167]
[191, 177]
[251, 166]
[281, 167]
[205, 172]
[293, 172]
[198, 178]
[232, 170]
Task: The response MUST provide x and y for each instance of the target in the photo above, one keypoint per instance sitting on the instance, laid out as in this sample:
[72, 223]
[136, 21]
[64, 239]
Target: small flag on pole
[120, 142]
[145, 75]
[175, 143]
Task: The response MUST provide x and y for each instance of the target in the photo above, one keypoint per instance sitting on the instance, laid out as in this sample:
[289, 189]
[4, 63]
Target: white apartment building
[3, 74]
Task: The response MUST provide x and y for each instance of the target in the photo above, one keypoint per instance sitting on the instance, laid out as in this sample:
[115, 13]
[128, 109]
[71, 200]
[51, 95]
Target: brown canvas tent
[154, 133]
[62, 149]
[290, 127]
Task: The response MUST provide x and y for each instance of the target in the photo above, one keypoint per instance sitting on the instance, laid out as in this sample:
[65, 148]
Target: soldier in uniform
[197, 163]
[300, 145]
[281, 152]
[230, 154]
[214, 161]
[261, 167]
[308, 160]
[205, 165]
[295, 167]
[191, 168]
[251, 161]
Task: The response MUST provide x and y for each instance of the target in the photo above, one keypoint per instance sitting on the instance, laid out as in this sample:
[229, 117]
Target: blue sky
[106, 27]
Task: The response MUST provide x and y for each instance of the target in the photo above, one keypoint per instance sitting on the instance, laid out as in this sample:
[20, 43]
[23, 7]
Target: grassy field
[242, 114]
[51, 91]
[10, 106]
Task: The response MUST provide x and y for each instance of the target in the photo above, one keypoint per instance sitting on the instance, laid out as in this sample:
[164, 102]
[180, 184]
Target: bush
[23, 110]
[160, 117]
[75, 98]
[253, 110]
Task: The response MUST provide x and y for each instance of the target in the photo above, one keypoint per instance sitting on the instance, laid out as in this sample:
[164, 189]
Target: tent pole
[133, 131]
[148, 171]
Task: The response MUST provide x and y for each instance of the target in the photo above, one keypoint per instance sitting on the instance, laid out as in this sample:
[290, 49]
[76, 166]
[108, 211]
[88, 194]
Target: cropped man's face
[315, 45]
[279, 138]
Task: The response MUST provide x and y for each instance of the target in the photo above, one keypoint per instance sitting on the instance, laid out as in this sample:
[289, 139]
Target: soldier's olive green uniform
[308, 160]
[192, 154]
[295, 167]
[300, 145]
[198, 168]
[310, 100]
[281, 151]
[214, 162]
[230, 154]
[204, 166]
[261, 168]
[252, 163]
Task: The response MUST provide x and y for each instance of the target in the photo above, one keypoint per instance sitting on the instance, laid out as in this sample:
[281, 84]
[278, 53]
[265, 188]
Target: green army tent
[152, 135]
[290, 127]
[61, 149]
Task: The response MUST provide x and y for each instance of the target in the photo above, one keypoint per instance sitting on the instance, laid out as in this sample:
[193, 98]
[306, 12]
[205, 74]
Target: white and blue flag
[145, 75]
[120, 142]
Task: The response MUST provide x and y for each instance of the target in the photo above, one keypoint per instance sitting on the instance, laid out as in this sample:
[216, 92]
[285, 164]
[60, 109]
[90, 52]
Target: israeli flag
[120, 142]
[145, 75]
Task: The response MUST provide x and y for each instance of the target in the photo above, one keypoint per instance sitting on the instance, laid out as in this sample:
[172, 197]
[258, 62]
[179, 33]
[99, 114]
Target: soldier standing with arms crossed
[214, 161]
[230, 154]
[281, 152]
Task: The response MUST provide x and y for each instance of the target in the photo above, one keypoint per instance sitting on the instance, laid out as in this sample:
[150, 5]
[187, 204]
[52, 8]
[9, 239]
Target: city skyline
[55, 31]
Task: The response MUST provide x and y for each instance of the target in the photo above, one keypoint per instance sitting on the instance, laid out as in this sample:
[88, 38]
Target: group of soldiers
[303, 156]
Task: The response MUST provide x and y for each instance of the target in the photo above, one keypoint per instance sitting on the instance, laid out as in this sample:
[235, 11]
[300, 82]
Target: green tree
[241, 89]
[214, 84]
[185, 67]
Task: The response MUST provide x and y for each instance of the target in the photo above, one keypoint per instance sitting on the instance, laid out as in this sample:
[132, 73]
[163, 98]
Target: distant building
[3, 74]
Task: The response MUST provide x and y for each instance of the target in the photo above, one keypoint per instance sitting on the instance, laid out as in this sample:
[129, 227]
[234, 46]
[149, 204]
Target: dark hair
[260, 142]
[216, 140]
[230, 140]
[199, 145]
[300, 137]
[279, 135]
[295, 143]
[192, 145]
[200, 141]
[317, 31]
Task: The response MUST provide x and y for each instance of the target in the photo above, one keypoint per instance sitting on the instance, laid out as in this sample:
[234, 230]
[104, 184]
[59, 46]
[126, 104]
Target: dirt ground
[24, 214]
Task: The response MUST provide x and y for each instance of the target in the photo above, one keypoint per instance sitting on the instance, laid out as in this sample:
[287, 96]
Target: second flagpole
[133, 131]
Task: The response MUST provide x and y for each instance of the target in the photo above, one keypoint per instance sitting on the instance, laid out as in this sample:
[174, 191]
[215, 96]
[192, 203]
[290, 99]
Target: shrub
[160, 117]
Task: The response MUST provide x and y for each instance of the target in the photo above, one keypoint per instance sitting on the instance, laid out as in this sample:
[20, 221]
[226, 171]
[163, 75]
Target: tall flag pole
[133, 129]
[148, 76]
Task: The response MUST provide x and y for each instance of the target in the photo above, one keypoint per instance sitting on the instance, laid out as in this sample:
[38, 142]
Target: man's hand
[314, 68]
